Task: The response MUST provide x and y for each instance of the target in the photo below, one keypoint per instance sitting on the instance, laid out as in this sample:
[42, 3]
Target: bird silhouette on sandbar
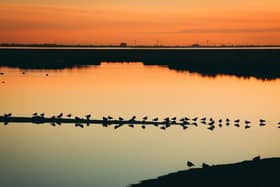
[190, 164]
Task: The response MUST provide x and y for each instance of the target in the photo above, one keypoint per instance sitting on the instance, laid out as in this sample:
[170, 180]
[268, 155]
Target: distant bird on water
[35, 114]
[110, 117]
[203, 119]
[79, 125]
[247, 122]
[190, 164]
[162, 128]
[212, 127]
[143, 127]
[247, 126]
[155, 119]
[88, 116]
[174, 119]
[42, 115]
[145, 118]
[120, 118]
[195, 119]
[69, 115]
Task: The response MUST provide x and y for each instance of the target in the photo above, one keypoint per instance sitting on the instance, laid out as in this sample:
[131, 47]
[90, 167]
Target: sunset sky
[148, 22]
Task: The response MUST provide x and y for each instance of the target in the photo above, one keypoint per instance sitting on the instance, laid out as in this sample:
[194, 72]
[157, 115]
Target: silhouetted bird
[60, 115]
[42, 115]
[220, 125]
[203, 119]
[9, 115]
[204, 165]
[247, 122]
[211, 123]
[132, 126]
[237, 121]
[257, 158]
[227, 124]
[190, 164]
[237, 125]
[117, 126]
[145, 118]
[174, 119]
[227, 120]
[185, 127]
[120, 118]
[195, 124]
[79, 125]
[69, 115]
[203, 122]
[187, 119]
[133, 118]
[155, 119]
[247, 126]
[35, 114]
[88, 116]
[262, 121]
[220, 120]
[262, 124]
[212, 127]
[195, 119]
[143, 126]
[110, 117]
[105, 119]
[166, 119]
[163, 128]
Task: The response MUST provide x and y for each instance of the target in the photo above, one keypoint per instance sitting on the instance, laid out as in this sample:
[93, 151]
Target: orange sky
[175, 22]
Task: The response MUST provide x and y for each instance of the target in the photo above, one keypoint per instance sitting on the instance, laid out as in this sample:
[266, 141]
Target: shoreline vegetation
[256, 172]
[124, 45]
[259, 63]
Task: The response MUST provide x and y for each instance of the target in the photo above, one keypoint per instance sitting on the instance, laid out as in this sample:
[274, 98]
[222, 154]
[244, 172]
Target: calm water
[102, 157]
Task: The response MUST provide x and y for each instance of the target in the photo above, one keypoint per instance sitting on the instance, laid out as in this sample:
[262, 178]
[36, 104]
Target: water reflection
[96, 156]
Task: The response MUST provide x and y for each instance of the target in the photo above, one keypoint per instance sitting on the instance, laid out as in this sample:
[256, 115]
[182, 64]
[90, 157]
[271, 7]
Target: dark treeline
[248, 173]
[259, 63]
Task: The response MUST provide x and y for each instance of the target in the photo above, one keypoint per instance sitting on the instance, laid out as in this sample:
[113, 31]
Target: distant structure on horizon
[123, 44]
[196, 45]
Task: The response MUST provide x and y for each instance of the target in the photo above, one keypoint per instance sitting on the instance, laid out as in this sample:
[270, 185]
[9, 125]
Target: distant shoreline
[135, 46]
[264, 172]
[241, 62]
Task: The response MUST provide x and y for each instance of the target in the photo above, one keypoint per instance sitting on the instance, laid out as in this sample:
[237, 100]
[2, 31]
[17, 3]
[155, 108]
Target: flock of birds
[164, 124]
[23, 73]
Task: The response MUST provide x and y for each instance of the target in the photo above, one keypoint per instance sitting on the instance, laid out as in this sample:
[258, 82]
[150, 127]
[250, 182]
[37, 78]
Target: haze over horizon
[165, 22]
